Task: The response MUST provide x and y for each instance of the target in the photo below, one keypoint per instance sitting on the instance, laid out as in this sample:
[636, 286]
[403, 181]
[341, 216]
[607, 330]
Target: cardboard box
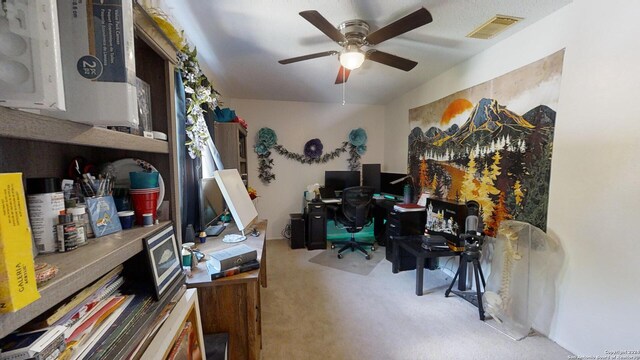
[17, 273]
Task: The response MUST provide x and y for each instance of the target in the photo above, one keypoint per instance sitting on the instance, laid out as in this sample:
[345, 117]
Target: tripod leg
[476, 265]
[484, 284]
[446, 293]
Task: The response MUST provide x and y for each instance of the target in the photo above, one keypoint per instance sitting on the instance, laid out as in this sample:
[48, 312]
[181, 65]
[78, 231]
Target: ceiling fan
[353, 36]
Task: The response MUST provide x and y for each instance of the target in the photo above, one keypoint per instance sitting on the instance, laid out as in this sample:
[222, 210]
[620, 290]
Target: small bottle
[81, 226]
[87, 221]
[203, 237]
[66, 232]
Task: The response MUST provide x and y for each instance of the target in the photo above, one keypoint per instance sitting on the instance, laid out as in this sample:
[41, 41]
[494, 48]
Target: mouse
[255, 232]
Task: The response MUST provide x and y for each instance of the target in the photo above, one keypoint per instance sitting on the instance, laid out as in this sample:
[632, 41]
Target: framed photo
[164, 259]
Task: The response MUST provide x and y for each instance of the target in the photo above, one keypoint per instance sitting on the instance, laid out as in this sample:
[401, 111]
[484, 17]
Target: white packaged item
[30, 61]
[98, 62]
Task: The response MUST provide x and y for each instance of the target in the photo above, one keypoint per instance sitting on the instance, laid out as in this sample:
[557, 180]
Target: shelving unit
[77, 269]
[42, 146]
[231, 142]
[27, 126]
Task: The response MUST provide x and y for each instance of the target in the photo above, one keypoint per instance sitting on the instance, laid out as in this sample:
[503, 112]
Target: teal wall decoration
[267, 141]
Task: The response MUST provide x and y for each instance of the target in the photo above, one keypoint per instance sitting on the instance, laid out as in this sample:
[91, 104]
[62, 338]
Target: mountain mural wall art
[491, 143]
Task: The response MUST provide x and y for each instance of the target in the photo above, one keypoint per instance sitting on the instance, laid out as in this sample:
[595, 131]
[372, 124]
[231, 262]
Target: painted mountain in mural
[497, 157]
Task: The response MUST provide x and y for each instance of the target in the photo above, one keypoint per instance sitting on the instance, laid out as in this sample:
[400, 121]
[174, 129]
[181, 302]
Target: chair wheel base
[339, 256]
[373, 248]
[368, 257]
[333, 246]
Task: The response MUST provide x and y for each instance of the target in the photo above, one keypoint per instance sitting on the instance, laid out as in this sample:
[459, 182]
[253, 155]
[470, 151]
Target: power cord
[286, 233]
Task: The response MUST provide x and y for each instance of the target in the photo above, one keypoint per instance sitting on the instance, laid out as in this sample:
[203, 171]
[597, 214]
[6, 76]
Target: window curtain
[189, 169]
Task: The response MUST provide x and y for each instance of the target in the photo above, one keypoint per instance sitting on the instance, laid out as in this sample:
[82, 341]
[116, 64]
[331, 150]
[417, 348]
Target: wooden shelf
[25, 125]
[79, 268]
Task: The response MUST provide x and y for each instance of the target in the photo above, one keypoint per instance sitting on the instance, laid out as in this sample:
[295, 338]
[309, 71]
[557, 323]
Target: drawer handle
[392, 225]
[317, 206]
[393, 213]
[318, 217]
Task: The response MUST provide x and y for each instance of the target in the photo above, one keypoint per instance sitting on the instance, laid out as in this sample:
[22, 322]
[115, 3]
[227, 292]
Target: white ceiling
[240, 42]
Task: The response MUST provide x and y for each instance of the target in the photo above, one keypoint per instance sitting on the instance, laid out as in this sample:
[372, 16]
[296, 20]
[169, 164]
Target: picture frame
[164, 259]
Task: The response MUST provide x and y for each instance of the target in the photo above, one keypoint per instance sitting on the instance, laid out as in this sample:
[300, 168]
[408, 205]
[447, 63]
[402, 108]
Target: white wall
[595, 176]
[295, 123]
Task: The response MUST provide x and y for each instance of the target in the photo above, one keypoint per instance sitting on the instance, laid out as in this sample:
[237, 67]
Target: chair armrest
[332, 210]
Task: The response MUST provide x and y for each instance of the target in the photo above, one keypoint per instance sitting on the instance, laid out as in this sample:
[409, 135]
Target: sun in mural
[457, 112]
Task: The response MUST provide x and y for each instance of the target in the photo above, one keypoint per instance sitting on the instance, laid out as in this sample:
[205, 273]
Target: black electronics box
[297, 236]
[446, 218]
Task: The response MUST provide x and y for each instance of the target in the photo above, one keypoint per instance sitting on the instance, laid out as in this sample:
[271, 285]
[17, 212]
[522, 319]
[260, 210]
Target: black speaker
[371, 176]
[297, 238]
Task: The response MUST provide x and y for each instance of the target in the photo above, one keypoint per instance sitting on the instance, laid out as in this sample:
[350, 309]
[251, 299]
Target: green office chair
[354, 214]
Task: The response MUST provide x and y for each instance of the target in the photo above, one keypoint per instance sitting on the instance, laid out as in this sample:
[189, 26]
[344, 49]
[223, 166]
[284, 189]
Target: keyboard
[331, 201]
[215, 230]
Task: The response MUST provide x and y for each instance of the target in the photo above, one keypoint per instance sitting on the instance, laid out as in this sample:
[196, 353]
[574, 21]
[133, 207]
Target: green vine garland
[198, 92]
[266, 140]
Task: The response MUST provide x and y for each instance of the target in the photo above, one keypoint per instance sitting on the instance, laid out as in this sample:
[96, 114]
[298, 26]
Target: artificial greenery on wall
[198, 93]
[267, 141]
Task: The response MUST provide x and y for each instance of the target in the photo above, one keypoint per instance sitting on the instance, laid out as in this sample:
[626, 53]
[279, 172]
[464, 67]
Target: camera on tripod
[473, 240]
[472, 237]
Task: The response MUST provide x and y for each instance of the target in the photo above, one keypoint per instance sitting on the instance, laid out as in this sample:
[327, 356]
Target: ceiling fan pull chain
[344, 87]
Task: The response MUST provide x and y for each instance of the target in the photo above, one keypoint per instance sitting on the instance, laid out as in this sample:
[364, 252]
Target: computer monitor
[212, 207]
[386, 187]
[238, 201]
[371, 176]
[338, 180]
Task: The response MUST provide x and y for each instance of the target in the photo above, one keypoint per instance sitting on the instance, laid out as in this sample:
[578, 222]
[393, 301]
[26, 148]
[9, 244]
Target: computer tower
[371, 176]
[297, 238]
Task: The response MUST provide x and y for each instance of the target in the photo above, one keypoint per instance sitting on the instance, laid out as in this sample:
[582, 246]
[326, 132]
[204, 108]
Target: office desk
[232, 304]
[413, 245]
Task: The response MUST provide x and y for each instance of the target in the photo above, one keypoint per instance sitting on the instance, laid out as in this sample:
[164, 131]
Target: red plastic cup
[145, 203]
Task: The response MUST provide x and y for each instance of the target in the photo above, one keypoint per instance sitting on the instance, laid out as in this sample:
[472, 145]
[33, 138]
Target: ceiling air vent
[493, 27]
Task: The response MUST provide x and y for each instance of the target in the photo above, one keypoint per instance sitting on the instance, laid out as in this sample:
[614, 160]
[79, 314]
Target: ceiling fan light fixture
[351, 57]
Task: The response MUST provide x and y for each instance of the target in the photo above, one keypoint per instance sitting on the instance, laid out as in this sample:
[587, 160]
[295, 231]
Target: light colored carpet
[310, 311]
[353, 262]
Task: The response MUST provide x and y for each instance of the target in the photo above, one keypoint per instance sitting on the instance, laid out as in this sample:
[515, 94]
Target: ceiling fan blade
[407, 23]
[340, 79]
[323, 25]
[391, 60]
[307, 57]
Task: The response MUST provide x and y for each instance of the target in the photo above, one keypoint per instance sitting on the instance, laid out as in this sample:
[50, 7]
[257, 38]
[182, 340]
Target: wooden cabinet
[231, 141]
[186, 309]
[41, 146]
[232, 304]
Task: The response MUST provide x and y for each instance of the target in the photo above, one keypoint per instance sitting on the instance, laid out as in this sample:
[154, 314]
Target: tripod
[471, 254]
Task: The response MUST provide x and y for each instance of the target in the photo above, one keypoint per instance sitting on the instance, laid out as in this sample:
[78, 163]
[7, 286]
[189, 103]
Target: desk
[413, 245]
[232, 304]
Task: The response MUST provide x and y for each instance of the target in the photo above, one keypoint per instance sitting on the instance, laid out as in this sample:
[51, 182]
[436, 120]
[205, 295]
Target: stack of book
[110, 319]
[232, 261]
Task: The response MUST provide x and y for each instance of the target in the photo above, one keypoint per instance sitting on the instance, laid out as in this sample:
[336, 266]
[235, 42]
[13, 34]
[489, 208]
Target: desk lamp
[407, 187]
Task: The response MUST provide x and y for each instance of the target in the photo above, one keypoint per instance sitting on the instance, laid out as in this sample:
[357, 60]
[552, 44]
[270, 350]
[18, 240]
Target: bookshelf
[42, 146]
[231, 141]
